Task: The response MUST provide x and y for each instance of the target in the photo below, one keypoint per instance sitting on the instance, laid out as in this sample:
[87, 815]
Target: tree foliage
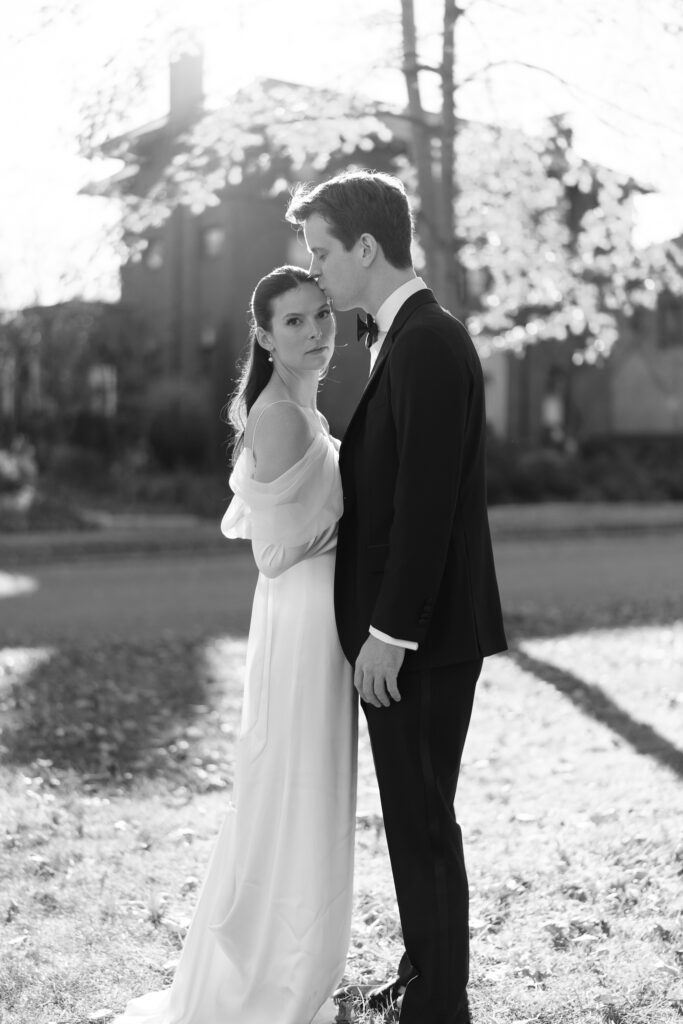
[523, 238]
[270, 135]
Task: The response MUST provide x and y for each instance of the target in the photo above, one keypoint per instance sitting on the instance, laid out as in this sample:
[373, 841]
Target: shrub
[605, 469]
[203, 494]
[500, 462]
[546, 475]
[17, 466]
[179, 432]
[80, 467]
[634, 468]
[94, 432]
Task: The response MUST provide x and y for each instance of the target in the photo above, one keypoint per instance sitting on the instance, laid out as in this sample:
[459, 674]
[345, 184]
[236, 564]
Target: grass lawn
[117, 764]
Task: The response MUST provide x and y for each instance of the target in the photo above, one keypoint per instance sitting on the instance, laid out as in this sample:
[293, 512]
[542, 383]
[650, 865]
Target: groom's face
[339, 271]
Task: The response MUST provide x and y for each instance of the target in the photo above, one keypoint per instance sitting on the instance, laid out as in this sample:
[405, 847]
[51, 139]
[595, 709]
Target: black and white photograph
[341, 512]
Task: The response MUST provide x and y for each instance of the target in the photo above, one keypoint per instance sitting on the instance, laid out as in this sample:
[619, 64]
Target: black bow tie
[367, 330]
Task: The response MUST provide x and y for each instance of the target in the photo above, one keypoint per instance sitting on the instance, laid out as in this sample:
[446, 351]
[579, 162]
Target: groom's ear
[368, 249]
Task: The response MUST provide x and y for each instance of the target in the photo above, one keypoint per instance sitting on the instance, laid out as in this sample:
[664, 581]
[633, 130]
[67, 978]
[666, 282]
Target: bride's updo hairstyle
[255, 369]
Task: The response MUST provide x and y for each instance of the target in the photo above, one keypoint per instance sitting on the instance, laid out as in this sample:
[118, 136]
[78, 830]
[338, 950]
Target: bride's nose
[316, 329]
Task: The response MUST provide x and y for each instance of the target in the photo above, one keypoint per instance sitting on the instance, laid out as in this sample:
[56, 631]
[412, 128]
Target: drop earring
[270, 357]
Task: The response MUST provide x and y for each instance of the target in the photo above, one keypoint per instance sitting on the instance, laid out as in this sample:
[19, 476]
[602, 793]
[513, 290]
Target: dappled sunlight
[12, 585]
[224, 655]
[627, 679]
[18, 663]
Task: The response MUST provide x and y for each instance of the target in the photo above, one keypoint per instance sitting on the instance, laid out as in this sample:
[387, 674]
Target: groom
[416, 596]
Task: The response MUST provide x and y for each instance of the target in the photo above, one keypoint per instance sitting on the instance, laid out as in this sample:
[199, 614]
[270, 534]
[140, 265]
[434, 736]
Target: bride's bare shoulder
[278, 433]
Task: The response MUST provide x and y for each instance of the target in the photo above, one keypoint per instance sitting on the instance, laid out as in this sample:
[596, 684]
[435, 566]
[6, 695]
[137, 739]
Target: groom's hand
[376, 673]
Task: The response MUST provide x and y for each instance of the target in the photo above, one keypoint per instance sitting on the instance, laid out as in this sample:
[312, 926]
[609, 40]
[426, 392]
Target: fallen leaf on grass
[176, 926]
[186, 835]
[598, 817]
[11, 911]
[668, 970]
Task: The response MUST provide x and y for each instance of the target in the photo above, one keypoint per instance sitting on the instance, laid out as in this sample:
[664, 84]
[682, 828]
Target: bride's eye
[292, 321]
[325, 313]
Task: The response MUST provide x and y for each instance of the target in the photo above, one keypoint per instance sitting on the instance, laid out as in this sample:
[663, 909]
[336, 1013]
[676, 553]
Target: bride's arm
[273, 559]
[284, 436]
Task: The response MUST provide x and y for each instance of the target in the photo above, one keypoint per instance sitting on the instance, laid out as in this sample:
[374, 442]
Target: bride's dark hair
[255, 369]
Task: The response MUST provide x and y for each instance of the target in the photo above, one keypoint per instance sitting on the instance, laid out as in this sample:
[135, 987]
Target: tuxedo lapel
[416, 300]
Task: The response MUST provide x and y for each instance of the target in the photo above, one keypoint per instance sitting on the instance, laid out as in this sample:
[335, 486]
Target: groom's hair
[357, 203]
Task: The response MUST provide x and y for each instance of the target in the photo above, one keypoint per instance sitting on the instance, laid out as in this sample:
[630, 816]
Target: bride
[270, 932]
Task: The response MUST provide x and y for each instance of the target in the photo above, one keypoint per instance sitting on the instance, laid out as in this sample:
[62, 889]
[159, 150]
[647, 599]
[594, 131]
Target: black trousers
[417, 747]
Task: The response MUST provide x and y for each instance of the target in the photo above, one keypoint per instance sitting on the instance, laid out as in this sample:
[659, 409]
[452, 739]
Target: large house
[194, 279]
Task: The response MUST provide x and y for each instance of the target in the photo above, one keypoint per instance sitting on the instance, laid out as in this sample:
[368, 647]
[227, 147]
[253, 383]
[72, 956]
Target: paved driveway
[210, 593]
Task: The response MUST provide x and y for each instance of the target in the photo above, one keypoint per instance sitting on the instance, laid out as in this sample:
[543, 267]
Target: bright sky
[625, 97]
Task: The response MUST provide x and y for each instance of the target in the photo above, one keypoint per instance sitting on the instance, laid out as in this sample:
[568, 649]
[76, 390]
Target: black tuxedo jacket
[414, 555]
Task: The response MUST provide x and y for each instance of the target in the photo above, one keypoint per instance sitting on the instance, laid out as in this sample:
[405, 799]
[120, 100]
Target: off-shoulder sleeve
[301, 504]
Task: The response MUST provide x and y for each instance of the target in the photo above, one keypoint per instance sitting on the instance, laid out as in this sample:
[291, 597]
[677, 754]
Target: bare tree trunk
[447, 238]
[437, 190]
[422, 149]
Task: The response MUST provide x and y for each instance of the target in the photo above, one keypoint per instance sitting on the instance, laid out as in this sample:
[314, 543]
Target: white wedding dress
[269, 937]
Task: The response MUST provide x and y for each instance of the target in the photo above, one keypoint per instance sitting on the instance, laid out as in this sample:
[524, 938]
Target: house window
[154, 254]
[207, 345]
[207, 336]
[212, 242]
[102, 389]
[8, 374]
[670, 320]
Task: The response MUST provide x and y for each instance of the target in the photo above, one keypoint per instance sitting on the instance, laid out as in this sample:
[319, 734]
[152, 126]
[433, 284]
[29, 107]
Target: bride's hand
[376, 672]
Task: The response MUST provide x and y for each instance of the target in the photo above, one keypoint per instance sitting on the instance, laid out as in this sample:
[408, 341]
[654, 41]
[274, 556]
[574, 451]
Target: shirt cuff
[410, 645]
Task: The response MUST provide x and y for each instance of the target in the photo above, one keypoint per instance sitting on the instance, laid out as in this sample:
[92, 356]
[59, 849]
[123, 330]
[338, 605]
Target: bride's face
[301, 335]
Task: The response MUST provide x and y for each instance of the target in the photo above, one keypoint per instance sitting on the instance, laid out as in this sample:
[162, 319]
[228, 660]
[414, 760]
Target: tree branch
[428, 67]
[571, 87]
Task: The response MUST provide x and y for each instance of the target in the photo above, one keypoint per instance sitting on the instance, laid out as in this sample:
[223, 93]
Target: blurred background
[149, 153]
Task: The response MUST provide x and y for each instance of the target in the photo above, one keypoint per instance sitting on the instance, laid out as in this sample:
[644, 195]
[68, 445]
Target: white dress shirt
[386, 313]
[384, 319]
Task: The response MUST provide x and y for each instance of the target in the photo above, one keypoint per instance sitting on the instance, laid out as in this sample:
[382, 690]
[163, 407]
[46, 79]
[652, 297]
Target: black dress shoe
[387, 999]
[350, 1000]
[383, 998]
[378, 997]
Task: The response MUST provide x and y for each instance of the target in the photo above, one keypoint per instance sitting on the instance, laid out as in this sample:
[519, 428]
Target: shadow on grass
[119, 710]
[592, 701]
[566, 616]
